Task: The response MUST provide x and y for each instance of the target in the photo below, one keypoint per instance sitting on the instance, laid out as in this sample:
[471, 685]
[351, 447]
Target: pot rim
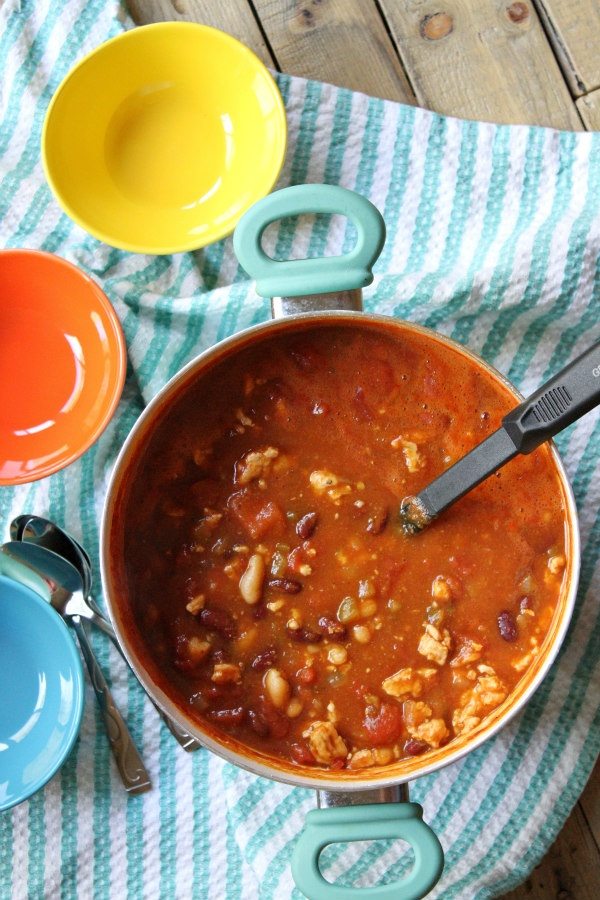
[271, 768]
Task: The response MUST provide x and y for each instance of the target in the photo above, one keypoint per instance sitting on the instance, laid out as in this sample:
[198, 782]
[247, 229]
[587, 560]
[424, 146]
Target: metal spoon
[65, 586]
[44, 533]
[37, 530]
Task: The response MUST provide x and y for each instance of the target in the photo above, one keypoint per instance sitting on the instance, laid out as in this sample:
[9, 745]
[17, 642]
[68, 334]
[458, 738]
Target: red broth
[269, 575]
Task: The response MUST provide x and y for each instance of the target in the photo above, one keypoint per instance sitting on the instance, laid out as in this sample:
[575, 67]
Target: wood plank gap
[344, 42]
[265, 36]
[563, 57]
[393, 42]
[572, 29]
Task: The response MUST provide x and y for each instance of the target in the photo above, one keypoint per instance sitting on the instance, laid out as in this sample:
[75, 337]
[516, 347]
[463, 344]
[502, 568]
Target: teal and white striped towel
[493, 238]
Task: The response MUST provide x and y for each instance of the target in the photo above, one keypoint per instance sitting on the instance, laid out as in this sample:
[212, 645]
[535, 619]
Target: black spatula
[558, 403]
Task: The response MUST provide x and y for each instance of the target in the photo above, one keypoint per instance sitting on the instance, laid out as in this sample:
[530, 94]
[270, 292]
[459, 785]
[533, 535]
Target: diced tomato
[256, 515]
[386, 726]
[302, 755]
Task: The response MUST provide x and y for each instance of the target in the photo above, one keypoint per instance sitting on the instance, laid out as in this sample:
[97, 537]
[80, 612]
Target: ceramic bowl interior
[42, 690]
[132, 641]
[161, 138]
[62, 365]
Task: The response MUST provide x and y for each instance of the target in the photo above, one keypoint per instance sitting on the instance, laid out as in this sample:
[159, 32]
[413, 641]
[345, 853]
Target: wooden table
[522, 62]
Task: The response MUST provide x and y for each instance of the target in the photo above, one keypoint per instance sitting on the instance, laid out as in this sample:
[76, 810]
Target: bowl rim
[119, 363]
[246, 758]
[133, 34]
[72, 656]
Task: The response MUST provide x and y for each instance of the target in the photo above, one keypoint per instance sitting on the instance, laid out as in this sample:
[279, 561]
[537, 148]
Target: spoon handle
[129, 762]
[183, 737]
[559, 402]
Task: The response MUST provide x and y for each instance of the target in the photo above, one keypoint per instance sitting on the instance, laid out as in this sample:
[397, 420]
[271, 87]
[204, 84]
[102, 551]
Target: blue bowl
[42, 689]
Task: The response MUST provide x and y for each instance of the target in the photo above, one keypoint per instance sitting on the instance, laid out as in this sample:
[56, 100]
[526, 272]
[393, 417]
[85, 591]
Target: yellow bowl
[160, 139]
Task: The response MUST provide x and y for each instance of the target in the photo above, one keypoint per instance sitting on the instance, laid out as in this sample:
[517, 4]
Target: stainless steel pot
[372, 803]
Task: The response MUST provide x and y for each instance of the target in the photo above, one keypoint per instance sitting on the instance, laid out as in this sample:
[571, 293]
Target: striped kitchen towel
[493, 238]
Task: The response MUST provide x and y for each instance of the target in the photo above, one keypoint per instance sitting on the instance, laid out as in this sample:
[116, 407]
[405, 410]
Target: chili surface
[272, 583]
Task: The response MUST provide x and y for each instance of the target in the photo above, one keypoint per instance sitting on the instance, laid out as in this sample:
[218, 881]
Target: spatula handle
[557, 403]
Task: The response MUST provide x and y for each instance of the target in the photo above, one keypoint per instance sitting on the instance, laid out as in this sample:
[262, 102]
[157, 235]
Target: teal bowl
[42, 690]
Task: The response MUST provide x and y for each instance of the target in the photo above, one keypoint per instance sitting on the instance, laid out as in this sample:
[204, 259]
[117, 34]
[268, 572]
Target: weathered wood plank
[590, 804]
[573, 29]
[234, 16]
[569, 870]
[487, 60]
[341, 41]
[589, 110]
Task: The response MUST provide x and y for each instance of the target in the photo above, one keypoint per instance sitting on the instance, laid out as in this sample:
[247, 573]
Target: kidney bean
[287, 585]
[333, 627]
[258, 723]
[507, 626]
[302, 755]
[307, 675]
[227, 717]
[414, 747]
[304, 635]
[377, 520]
[264, 660]
[218, 656]
[305, 527]
[217, 620]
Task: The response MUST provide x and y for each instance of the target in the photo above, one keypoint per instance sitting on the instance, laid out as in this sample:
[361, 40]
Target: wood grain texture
[341, 41]
[573, 29]
[234, 16]
[589, 110]
[481, 59]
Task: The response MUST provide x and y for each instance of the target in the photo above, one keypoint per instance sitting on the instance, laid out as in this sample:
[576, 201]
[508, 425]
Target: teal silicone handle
[323, 275]
[372, 821]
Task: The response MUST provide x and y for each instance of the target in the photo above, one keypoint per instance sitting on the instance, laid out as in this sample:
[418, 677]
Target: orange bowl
[62, 365]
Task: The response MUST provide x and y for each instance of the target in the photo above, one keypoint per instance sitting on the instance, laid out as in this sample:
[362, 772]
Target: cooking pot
[353, 805]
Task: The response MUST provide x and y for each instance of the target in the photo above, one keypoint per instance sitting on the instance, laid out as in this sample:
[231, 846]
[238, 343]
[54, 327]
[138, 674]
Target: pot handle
[292, 278]
[369, 822]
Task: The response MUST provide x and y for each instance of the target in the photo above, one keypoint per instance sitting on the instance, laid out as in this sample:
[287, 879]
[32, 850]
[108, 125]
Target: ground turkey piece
[420, 725]
[325, 743]
[434, 645]
[487, 693]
